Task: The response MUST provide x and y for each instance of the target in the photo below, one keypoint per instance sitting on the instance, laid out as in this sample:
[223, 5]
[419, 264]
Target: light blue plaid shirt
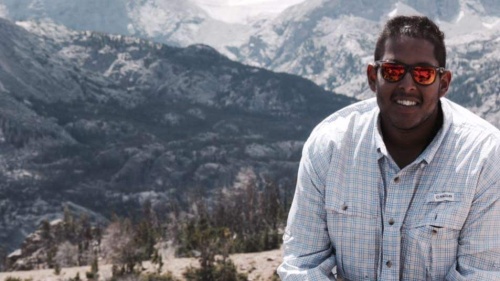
[354, 209]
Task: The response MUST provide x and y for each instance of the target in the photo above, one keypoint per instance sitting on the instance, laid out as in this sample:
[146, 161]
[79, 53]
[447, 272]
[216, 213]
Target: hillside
[102, 123]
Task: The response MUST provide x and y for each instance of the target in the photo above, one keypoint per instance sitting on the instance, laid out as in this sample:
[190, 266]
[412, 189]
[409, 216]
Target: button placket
[397, 185]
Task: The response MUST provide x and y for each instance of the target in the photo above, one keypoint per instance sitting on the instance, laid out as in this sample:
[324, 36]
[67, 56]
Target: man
[402, 187]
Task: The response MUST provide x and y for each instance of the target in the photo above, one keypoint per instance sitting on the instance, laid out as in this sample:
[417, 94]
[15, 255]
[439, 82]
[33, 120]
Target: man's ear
[444, 83]
[371, 74]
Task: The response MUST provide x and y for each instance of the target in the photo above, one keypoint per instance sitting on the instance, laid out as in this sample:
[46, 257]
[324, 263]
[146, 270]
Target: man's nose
[407, 82]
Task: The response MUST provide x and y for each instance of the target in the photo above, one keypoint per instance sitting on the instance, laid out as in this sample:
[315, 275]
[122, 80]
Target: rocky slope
[103, 123]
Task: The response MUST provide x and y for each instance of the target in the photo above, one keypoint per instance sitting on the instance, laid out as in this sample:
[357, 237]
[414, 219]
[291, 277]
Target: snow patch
[244, 11]
[491, 25]
[21, 173]
[152, 19]
[393, 13]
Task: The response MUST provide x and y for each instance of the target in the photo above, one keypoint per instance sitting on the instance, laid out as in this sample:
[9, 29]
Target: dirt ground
[259, 267]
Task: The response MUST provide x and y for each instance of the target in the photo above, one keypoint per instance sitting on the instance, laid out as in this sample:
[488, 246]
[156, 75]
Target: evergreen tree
[148, 230]
[68, 223]
[158, 260]
[45, 231]
[3, 258]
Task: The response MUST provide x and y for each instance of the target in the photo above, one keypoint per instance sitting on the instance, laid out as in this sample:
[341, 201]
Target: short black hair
[413, 27]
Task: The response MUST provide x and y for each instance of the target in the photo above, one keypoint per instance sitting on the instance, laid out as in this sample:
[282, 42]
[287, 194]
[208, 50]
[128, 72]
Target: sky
[239, 11]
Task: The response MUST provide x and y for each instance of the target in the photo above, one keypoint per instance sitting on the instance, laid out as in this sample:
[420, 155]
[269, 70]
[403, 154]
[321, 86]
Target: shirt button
[388, 264]
[434, 231]
[344, 207]
[391, 221]
[397, 179]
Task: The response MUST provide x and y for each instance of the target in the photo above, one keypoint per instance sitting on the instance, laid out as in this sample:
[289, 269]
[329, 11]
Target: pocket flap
[445, 220]
[349, 208]
[444, 211]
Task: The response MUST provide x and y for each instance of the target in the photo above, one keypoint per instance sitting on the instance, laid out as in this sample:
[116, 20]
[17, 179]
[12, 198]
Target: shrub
[221, 270]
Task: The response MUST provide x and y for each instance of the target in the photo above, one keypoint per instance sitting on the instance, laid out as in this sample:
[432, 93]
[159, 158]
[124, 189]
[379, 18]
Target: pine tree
[147, 230]
[68, 223]
[45, 231]
[3, 258]
[93, 274]
[158, 260]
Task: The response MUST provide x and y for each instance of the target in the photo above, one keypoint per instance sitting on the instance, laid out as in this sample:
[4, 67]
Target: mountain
[331, 42]
[101, 123]
[244, 12]
[173, 22]
[327, 41]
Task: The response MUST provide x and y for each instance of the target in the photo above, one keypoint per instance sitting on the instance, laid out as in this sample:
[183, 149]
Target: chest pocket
[352, 226]
[349, 207]
[348, 217]
[430, 238]
[439, 213]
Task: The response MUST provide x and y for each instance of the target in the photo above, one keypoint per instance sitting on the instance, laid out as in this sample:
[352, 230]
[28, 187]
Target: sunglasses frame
[410, 68]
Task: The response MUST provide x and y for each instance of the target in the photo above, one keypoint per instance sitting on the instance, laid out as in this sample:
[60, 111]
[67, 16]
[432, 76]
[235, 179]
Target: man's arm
[308, 253]
[479, 241]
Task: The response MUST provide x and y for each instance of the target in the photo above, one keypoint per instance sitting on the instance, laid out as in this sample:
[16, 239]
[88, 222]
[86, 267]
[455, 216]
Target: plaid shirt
[355, 209]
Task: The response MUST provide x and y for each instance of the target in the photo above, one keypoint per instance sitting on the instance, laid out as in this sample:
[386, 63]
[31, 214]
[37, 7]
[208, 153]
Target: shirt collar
[377, 136]
[433, 147]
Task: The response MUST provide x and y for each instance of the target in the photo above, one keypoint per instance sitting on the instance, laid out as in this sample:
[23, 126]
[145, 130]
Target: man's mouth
[406, 102]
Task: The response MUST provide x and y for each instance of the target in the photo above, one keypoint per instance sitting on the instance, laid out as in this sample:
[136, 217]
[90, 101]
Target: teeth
[406, 102]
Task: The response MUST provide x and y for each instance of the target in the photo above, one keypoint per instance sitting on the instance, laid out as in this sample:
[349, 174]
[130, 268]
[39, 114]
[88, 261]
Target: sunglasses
[422, 74]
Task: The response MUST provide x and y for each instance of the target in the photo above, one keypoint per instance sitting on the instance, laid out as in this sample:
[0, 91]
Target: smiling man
[405, 186]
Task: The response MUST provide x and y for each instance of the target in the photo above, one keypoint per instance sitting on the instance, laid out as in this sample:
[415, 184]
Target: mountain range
[327, 41]
[102, 123]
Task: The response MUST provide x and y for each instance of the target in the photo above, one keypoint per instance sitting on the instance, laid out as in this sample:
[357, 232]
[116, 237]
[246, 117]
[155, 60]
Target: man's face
[405, 105]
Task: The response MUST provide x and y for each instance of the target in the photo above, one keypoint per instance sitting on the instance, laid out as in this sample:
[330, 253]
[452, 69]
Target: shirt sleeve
[479, 241]
[308, 254]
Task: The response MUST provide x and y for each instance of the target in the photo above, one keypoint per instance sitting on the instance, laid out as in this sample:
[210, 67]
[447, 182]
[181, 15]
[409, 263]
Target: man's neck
[405, 146]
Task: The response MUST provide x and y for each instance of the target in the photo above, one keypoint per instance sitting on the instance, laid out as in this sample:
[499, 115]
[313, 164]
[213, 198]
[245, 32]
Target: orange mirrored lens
[393, 72]
[424, 75]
